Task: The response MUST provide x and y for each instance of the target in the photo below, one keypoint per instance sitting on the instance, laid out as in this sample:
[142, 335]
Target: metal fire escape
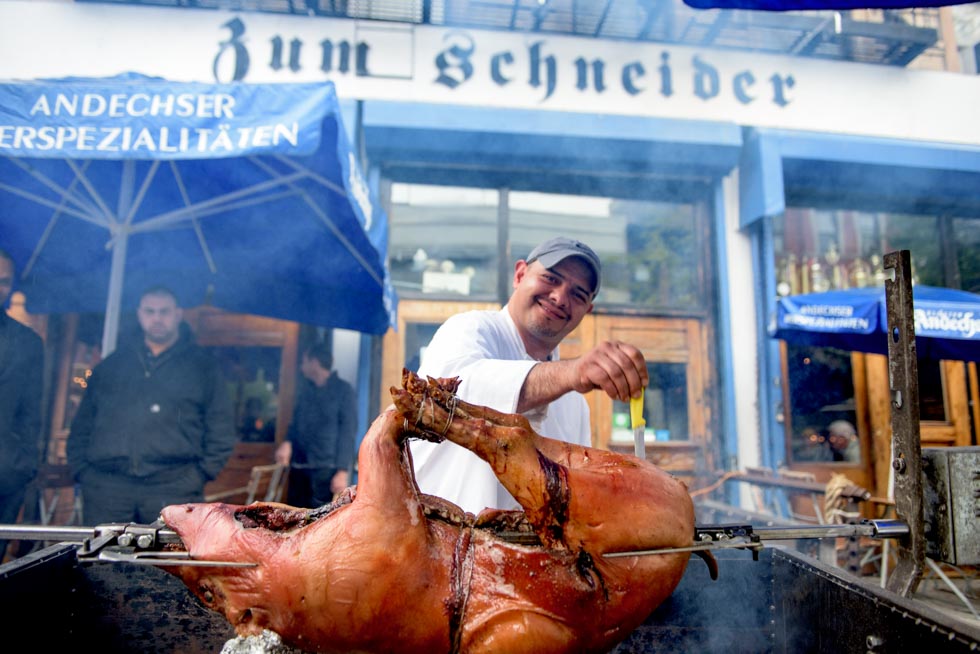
[883, 37]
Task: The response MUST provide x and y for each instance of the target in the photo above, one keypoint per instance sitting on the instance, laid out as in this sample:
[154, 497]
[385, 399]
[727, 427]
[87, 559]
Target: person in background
[843, 441]
[254, 427]
[21, 367]
[508, 360]
[321, 441]
[155, 422]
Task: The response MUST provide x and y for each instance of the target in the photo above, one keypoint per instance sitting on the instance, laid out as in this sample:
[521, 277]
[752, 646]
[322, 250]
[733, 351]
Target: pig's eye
[206, 594]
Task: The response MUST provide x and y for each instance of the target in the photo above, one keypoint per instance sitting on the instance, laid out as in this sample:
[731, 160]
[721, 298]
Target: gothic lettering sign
[373, 60]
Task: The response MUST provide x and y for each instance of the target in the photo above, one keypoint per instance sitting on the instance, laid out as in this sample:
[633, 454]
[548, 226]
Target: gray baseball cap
[557, 249]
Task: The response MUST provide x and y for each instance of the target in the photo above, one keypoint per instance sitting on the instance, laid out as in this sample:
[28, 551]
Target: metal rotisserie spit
[101, 587]
[781, 602]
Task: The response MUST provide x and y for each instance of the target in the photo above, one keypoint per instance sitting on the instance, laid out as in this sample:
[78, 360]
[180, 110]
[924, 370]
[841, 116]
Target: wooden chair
[59, 502]
[266, 482]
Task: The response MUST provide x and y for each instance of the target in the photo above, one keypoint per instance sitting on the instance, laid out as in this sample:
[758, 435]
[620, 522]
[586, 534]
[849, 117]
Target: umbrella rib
[54, 205]
[48, 229]
[176, 215]
[83, 178]
[343, 239]
[81, 204]
[323, 181]
[214, 210]
[323, 215]
[194, 221]
[138, 200]
[40, 245]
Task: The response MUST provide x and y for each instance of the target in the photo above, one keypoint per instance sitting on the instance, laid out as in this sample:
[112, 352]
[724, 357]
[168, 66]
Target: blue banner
[947, 321]
[138, 117]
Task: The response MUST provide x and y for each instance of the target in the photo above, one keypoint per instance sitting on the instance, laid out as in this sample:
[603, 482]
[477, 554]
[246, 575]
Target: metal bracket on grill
[903, 381]
[117, 543]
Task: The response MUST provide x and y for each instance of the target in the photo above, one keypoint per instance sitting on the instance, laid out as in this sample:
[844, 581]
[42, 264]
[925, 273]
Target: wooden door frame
[862, 472]
[216, 328]
[872, 398]
[676, 340]
[955, 431]
[393, 342]
[693, 332]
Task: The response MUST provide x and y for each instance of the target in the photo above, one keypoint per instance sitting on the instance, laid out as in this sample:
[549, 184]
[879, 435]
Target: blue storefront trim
[781, 168]
[573, 153]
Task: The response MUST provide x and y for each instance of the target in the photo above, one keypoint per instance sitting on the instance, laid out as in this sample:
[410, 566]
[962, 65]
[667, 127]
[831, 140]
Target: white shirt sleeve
[469, 347]
[484, 350]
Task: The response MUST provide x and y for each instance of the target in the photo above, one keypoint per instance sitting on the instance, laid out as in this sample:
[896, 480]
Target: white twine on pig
[452, 412]
[453, 403]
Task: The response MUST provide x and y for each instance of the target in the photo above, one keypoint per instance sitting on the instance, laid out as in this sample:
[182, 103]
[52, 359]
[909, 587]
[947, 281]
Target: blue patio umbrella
[244, 196]
[947, 321]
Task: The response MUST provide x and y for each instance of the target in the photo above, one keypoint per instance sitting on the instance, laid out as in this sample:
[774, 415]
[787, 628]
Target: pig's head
[248, 595]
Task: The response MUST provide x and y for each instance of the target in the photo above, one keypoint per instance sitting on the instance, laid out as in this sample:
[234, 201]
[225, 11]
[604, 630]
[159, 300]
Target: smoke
[733, 613]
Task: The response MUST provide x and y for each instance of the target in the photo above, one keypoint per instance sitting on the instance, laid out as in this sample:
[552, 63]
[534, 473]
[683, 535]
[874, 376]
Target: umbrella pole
[110, 332]
[119, 243]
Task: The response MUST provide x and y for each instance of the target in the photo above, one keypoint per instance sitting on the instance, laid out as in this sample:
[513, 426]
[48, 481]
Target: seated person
[254, 427]
[843, 441]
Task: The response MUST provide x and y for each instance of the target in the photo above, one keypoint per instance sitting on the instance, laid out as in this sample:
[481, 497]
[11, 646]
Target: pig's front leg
[385, 478]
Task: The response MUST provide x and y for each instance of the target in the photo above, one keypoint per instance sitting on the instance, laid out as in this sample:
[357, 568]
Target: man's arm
[464, 347]
[346, 428]
[82, 425]
[284, 451]
[616, 368]
[27, 422]
[469, 347]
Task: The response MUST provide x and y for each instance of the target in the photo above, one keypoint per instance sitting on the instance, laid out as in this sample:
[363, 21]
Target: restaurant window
[821, 386]
[820, 249]
[418, 335]
[251, 377]
[650, 251]
[665, 405]
[966, 236]
[443, 241]
[823, 249]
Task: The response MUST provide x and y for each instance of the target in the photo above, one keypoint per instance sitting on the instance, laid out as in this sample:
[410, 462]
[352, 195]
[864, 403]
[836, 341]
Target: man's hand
[339, 482]
[616, 368]
[284, 453]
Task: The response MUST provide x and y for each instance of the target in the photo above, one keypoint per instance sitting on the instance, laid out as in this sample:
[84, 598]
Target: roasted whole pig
[387, 569]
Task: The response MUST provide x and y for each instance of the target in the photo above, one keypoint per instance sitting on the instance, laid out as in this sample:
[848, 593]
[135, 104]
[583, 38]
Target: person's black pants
[119, 498]
[309, 488]
[11, 500]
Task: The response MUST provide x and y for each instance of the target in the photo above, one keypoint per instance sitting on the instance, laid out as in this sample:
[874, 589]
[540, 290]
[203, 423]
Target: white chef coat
[485, 350]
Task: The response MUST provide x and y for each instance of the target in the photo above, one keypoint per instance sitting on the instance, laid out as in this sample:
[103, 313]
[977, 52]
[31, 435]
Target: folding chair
[265, 481]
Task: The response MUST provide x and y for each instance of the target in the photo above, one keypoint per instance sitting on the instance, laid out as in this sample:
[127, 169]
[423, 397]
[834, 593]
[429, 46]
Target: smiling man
[154, 424]
[508, 360]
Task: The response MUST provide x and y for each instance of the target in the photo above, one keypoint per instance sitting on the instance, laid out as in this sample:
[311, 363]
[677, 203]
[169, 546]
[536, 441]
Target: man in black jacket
[321, 437]
[21, 363]
[154, 424]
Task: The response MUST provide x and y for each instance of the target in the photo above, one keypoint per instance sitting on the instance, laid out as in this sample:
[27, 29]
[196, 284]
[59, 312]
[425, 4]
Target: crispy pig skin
[388, 569]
